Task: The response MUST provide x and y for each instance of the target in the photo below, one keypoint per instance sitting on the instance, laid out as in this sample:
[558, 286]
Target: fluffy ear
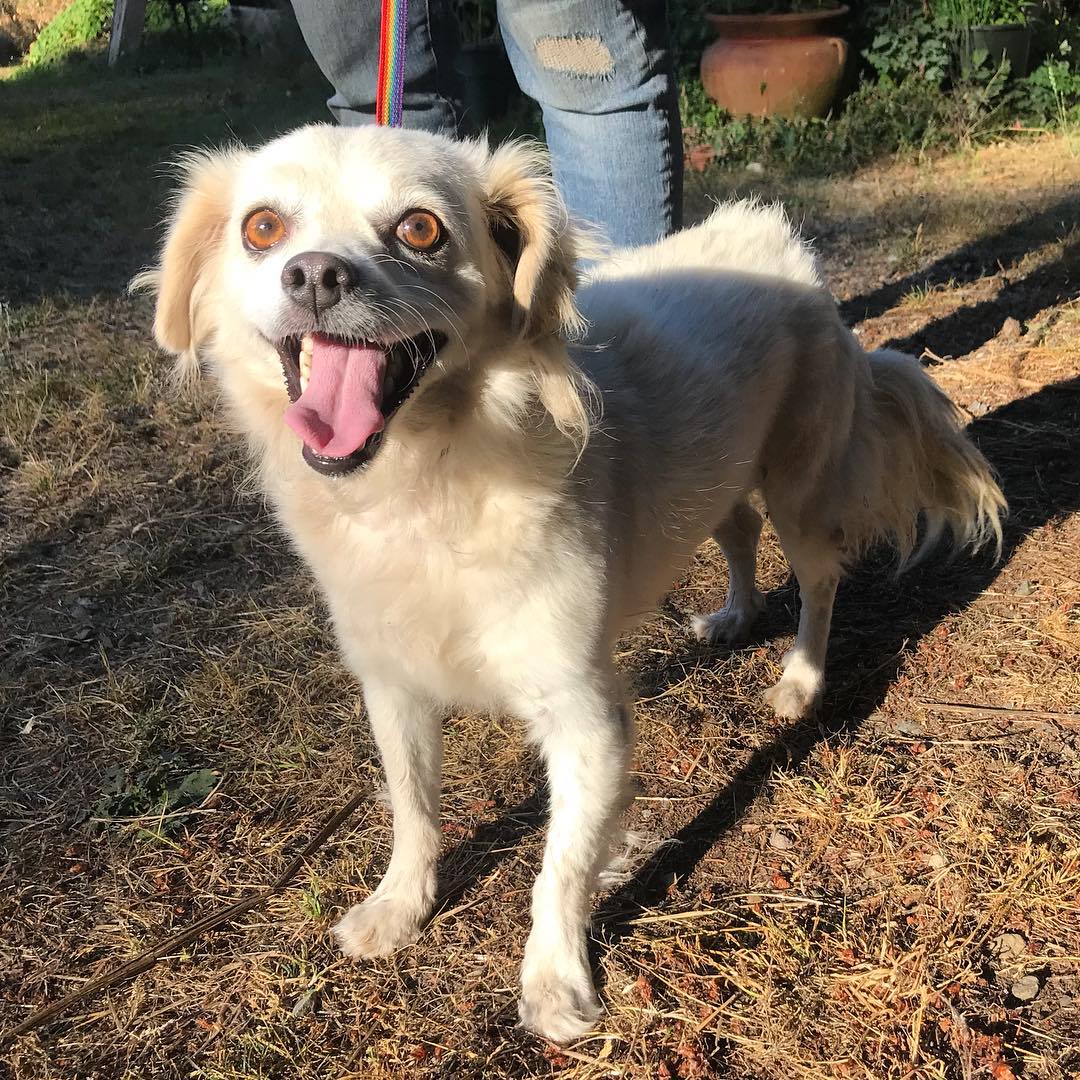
[199, 216]
[537, 239]
[539, 246]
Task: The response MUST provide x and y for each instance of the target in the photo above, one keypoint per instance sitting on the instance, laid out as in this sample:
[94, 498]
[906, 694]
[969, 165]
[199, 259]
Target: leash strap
[388, 98]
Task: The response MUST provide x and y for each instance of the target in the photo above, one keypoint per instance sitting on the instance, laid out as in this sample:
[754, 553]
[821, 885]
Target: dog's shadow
[1034, 444]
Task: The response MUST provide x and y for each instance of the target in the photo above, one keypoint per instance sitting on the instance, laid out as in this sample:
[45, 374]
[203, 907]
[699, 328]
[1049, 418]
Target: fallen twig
[151, 956]
[993, 712]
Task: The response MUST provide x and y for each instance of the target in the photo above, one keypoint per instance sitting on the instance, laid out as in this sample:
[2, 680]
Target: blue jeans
[599, 69]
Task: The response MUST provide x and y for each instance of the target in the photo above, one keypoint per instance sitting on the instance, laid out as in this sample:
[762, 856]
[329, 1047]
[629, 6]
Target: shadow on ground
[1034, 443]
[1001, 250]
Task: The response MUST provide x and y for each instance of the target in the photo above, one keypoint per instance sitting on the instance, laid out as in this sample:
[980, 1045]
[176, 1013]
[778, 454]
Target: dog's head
[348, 271]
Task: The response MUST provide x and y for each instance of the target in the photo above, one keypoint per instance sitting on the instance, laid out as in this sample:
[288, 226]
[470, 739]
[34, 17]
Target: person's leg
[602, 73]
[343, 37]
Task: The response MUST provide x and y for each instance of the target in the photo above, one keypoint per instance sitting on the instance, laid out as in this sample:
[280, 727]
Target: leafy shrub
[878, 119]
[73, 28]
[84, 23]
[916, 44]
[961, 14]
[1054, 88]
[162, 785]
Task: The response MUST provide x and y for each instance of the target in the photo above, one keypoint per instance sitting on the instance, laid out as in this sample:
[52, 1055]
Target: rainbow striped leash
[391, 63]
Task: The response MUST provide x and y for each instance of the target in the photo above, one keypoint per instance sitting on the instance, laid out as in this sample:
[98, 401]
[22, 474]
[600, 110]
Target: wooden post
[127, 28]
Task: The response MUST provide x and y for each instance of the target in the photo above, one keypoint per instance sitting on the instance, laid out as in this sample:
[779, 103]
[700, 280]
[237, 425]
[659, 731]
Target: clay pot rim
[785, 24]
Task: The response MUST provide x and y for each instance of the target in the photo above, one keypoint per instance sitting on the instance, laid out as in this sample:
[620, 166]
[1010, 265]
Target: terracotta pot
[775, 65]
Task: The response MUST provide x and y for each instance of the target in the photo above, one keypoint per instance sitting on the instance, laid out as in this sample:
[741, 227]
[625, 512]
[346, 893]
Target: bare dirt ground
[21, 20]
[891, 889]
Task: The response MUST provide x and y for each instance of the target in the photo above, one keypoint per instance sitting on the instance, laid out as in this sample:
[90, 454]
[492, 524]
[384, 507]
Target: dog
[494, 462]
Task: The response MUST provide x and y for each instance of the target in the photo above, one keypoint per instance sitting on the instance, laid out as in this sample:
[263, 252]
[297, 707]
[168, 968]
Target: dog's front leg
[407, 729]
[585, 736]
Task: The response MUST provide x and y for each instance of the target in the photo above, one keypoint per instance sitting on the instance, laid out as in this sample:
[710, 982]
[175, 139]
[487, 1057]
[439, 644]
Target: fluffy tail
[933, 471]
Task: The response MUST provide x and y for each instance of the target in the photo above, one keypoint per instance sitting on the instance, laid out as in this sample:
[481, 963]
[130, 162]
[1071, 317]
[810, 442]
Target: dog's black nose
[317, 280]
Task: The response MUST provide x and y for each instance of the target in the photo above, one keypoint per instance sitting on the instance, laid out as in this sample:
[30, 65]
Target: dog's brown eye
[263, 229]
[419, 229]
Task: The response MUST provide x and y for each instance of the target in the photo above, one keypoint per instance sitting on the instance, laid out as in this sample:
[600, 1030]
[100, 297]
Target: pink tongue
[339, 410]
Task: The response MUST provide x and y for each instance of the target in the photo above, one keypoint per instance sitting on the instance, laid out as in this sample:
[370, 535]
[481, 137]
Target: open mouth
[343, 392]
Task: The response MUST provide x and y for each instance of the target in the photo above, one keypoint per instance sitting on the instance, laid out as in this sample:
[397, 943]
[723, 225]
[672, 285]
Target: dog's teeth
[305, 368]
[307, 344]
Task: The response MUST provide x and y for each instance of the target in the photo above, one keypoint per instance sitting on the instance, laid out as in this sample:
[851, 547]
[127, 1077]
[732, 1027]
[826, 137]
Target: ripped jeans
[599, 69]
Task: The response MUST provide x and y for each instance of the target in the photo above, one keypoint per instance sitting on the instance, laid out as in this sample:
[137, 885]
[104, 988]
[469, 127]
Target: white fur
[533, 498]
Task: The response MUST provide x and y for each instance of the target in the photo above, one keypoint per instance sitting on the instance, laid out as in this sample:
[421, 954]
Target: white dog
[492, 469]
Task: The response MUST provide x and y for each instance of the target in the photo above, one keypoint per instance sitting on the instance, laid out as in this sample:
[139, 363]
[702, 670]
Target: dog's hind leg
[408, 731]
[585, 734]
[816, 559]
[737, 536]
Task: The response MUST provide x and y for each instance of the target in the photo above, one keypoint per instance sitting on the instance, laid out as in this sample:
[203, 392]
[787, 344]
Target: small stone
[1010, 947]
[781, 841]
[978, 408]
[1010, 330]
[1025, 989]
[936, 861]
[756, 168]
[1025, 588]
[910, 727]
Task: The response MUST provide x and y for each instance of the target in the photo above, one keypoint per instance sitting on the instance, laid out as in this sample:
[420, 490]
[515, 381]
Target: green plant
[688, 34]
[86, 22]
[879, 118]
[700, 114]
[982, 100]
[964, 14]
[1054, 88]
[73, 28]
[162, 785]
[909, 44]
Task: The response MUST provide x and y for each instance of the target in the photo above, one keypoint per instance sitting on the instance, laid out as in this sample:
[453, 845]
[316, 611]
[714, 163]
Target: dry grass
[854, 896]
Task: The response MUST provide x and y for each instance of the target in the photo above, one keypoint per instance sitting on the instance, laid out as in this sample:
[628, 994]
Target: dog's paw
[796, 695]
[559, 1009]
[379, 926]
[730, 625]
